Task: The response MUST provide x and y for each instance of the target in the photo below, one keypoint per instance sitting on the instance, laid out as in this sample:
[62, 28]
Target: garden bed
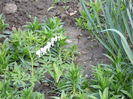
[82, 48]
[90, 52]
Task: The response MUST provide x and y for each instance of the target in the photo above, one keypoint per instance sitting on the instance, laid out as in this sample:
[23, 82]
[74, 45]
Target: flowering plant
[43, 51]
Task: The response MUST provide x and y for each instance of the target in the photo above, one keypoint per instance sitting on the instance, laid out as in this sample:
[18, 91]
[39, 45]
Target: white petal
[43, 50]
[48, 49]
[52, 39]
[52, 43]
[49, 44]
[38, 53]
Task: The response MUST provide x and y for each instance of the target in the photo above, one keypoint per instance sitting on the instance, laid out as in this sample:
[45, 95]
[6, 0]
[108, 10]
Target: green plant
[3, 25]
[103, 78]
[29, 94]
[33, 26]
[76, 96]
[4, 57]
[116, 77]
[130, 92]
[57, 1]
[104, 95]
[18, 78]
[6, 90]
[56, 73]
[18, 58]
[83, 22]
[115, 35]
[22, 67]
[63, 96]
[52, 27]
[115, 17]
[74, 81]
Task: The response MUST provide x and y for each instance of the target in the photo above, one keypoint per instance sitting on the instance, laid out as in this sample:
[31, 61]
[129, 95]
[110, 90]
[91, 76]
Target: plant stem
[32, 63]
[32, 66]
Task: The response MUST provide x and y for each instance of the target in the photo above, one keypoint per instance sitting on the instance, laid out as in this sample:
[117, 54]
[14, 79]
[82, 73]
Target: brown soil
[91, 51]
[24, 9]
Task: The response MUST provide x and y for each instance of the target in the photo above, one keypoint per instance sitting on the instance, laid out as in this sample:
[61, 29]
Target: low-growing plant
[57, 1]
[18, 78]
[33, 26]
[102, 78]
[6, 91]
[74, 81]
[83, 22]
[3, 25]
[56, 73]
[19, 58]
[29, 94]
[116, 77]
[63, 96]
[4, 57]
[130, 92]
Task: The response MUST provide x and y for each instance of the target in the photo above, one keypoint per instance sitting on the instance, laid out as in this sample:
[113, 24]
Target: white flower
[38, 53]
[43, 50]
[56, 38]
[48, 46]
[52, 41]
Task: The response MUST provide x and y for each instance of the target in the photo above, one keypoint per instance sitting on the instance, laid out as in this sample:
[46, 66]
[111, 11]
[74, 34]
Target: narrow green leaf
[127, 27]
[124, 43]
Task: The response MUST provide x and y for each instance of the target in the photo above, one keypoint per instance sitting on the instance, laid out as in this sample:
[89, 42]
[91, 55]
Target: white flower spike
[43, 51]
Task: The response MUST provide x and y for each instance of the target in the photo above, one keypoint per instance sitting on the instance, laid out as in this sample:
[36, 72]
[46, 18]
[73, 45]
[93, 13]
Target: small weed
[57, 1]
[3, 25]
[4, 57]
[74, 81]
[83, 21]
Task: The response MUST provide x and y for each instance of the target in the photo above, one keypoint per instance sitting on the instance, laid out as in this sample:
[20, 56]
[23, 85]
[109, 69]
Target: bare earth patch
[90, 50]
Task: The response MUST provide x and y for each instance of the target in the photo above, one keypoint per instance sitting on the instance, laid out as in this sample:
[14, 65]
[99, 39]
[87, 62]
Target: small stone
[73, 13]
[10, 8]
[13, 28]
[46, 85]
[83, 52]
[68, 41]
[84, 62]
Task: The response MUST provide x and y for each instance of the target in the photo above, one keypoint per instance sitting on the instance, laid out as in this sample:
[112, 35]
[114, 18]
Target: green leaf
[127, 93]
[124, 43]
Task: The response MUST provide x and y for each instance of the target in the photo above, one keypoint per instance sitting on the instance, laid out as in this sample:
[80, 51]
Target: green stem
[32, 63]
[32, 66]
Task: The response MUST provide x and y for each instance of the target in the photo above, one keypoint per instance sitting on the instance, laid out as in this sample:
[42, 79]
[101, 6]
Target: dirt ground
[91, 52]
